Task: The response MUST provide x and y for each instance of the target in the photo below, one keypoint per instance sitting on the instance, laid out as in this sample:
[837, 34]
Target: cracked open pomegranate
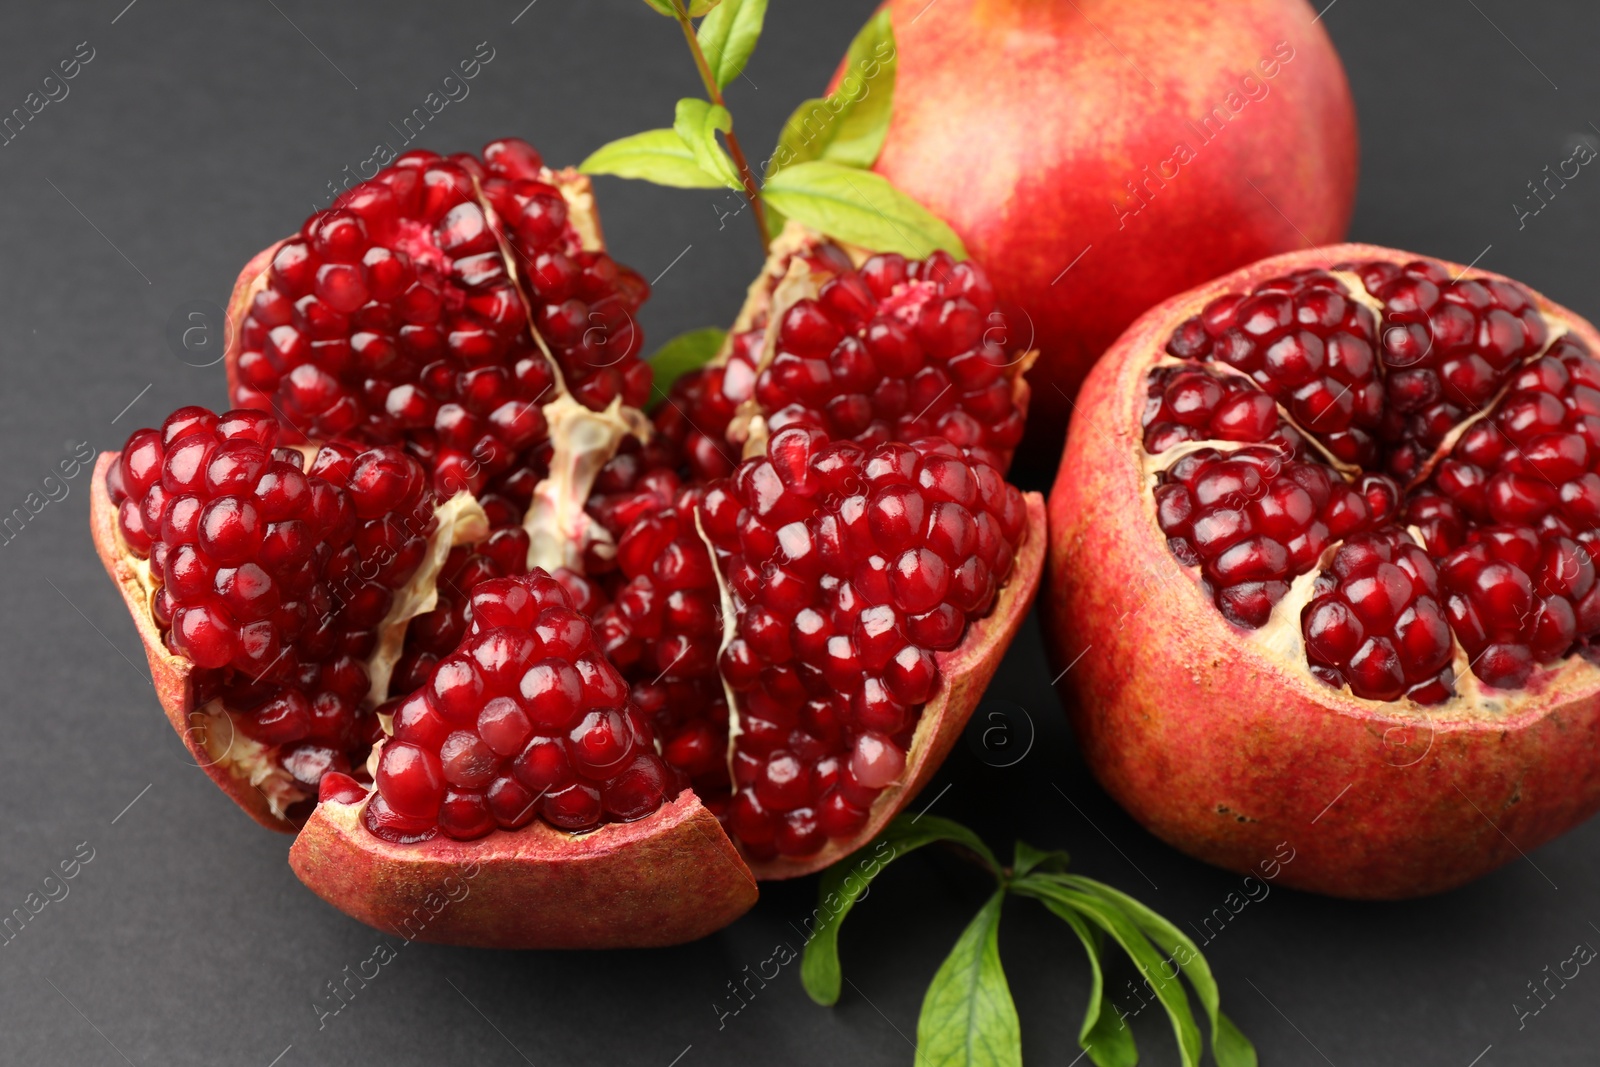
[1323, 569]
[441, 596]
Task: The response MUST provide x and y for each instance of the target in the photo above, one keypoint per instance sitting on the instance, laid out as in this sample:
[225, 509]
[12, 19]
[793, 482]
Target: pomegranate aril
[513, 695]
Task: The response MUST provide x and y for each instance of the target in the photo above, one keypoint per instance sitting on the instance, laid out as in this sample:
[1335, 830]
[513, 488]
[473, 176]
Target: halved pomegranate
[483, 624]
[1323, 569]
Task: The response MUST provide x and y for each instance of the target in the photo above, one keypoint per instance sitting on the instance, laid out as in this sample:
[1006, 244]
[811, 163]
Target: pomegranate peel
[964, 675]
[1220, 738]
[669, 878]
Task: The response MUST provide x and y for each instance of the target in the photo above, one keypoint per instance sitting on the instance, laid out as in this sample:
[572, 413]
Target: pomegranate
[1126, 152]
[440, 597]
[1323, 569]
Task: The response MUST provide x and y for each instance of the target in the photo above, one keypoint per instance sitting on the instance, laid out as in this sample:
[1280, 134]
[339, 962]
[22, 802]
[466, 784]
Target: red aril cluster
[1488, 418]
[1376, 622]
[406, 313]
[1309, 345]
[1448, 345]
[270, 578]
[1255, 518]
[525, 718]
[850, 568]
[892, 350]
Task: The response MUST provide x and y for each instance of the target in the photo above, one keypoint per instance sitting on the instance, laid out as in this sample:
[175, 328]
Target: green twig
[752, 191]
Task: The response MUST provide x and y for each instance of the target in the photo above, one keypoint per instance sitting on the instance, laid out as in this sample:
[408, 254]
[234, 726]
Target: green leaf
[684, 353]
[1126, 933]
[839, 891]
[1230, 1047]
[1104, 1035]
[847, 126]
[1027, 858]
[859, 207]
[659, 156]
[696, 124]
[968, 1018]
[728, 36]
[696, 8]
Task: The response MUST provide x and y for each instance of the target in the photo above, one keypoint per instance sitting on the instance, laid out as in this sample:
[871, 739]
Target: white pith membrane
[1280, 640]
[582, 441]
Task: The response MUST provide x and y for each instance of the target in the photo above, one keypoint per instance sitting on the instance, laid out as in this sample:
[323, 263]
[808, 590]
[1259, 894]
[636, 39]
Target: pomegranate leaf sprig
[817, 174]
[968, 1017]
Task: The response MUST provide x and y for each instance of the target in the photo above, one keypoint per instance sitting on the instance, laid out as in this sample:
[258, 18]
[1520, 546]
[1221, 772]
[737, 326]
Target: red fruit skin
[1020, 123]
[666, 879]
[169, 673]
[964, 673]
[1226, 754]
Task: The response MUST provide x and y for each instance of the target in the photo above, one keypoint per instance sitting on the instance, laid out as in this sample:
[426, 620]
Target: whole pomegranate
[1323, 570]
[523, 666]
[1097, 157]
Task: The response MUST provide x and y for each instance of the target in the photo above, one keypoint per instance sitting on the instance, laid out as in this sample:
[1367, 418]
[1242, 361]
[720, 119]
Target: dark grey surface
[199, 132]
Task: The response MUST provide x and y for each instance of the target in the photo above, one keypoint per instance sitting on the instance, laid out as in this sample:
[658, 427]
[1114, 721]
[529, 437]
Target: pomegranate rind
[667, 879]
[170, 674]
[1228, 750]
[964, 674]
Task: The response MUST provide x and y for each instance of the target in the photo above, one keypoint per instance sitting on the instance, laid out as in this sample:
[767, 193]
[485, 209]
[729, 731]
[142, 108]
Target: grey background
[200, 132]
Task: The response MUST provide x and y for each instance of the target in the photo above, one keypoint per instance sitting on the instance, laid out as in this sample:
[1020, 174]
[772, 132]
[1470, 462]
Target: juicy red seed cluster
[1184, 404]
[1509, 514]
[1255, 518]
[270, 578]
[1376, 622]
[583, 301]
[1517, 599]
[1447, 347]
[1308, 344]
[1535, 462]
[663, 629]
[396, 315]
[851, 569]
[525, 718]
[895, 350]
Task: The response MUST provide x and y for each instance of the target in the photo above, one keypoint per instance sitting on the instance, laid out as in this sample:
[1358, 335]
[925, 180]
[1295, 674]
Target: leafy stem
[752, 191]
[819, 174]
[968, 1017]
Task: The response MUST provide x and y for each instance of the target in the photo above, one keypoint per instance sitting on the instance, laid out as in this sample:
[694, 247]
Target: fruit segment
[442, 594]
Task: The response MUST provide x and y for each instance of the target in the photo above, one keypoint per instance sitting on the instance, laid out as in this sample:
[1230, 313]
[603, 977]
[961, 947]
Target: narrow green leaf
[1230, 1047]
[1027, 858]
[1126, 933]
[658, 156]
[696, 124]
[1104, 1036]
[701, 7]
[859, 207]
[968, 1018]
[728, 36]
[684, 353]
[847, 881]
[848, 125]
